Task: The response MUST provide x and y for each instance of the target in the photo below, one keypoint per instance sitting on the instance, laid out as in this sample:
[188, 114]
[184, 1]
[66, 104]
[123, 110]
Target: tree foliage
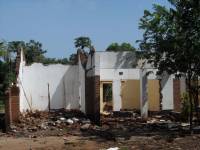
[7, 74]
[47, 61]
[2, 50]
[82, 42]
[123, 47]
[73, 59]
[33, 52]
[171, 39]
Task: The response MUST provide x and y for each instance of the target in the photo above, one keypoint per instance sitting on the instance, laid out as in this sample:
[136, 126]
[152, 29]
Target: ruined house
[107, 81]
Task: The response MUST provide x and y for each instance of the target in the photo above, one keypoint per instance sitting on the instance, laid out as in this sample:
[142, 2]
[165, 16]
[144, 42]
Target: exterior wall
[12, 106]
[64, 84]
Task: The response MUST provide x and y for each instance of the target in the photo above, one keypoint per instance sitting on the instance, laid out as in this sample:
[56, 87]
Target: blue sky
[56, 23]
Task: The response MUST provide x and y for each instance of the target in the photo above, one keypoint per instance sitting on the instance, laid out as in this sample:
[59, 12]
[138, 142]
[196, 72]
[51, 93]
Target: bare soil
[92, 143]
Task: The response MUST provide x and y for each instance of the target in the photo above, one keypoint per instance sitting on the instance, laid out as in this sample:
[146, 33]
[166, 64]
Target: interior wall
[167, 93]
[153, 95]
[63, 83]
[130, 94]
[117, 60]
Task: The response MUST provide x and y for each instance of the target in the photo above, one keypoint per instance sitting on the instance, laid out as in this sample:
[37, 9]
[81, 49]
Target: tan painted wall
[154, 95]
[130, 94]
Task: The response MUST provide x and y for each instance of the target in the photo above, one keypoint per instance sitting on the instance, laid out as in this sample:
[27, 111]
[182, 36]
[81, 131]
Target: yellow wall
[154, 95]
[130, 94]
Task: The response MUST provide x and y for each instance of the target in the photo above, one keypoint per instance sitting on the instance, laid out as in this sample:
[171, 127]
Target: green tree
[118, 48]
[171, 40]
[73, 59]
[34, 52]
[15, 46]
[2, 50]
[48, 61]
[82, 42]
[7, 67]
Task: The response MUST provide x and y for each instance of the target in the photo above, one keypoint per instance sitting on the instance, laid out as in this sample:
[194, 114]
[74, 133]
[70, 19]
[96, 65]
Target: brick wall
[177, 95]
[92, 101]
[12, 106]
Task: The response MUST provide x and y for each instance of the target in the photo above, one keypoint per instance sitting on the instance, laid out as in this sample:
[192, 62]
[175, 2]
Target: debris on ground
[114, 125]
[113, 148]
[47, 122]
[117, 129]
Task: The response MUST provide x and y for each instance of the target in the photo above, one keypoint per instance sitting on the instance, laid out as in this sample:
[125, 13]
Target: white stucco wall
[64, 82]
[117, 103]
[81, 74]
[167, 94]
[114, 74]
[117, 60]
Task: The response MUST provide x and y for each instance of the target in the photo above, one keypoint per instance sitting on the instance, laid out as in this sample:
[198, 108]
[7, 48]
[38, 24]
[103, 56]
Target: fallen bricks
[113, 125]
[54, 120]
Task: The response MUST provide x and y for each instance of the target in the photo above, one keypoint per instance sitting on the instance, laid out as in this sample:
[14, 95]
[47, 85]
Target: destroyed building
[109, 81]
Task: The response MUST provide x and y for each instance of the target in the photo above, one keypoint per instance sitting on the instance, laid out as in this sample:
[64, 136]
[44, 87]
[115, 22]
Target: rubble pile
[115, 125]
[125, 124]
[54, 120]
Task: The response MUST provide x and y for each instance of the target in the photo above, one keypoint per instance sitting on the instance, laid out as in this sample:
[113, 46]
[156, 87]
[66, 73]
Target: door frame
[101, 94]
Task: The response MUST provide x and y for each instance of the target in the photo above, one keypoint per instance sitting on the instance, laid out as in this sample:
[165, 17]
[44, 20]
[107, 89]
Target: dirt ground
[93, 143]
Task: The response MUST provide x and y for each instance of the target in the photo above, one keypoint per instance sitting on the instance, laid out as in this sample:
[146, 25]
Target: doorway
[106, 96]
